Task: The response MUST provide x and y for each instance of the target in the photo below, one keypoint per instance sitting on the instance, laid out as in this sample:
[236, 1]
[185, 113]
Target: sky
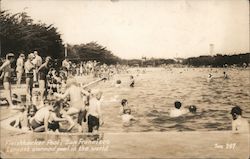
[151, 28]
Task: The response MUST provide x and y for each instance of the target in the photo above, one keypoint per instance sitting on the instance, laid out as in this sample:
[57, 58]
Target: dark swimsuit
[43, 73]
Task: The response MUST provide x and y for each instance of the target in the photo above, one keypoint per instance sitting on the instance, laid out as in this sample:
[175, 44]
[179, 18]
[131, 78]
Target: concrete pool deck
[189, 144]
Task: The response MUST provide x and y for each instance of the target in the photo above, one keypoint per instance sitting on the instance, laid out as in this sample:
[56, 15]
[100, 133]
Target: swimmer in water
[210, 77]
[127, 117]
[177, 111]
[118, 83]
[225, 76]
[124, 105]
[192, 109]
[132, 81]
[239, 124]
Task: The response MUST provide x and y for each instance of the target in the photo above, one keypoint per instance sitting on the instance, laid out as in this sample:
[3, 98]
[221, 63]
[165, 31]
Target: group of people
[62, 98]
[71, 101]
[30, 67]
[210, 77]
[75, 113]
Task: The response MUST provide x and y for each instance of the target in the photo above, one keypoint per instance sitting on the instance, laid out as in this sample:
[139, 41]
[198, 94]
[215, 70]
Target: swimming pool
[156, 91]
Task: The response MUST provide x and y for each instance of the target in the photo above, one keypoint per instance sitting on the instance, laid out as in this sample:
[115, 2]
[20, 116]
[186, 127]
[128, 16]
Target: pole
[65, 50]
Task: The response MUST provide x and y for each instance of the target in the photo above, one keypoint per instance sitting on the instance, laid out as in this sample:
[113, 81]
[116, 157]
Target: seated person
[127, 117]
[177, 111]
[32, 109]
[239, 124]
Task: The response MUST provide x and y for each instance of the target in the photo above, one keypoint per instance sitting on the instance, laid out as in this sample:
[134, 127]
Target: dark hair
[10, 56]
[118, 82]
[124, 101]
[192, 108]
[177, 104]
[236, 111]
[32, 107]
[14, 95]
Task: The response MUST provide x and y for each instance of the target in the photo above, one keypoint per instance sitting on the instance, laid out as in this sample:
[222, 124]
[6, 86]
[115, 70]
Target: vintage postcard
[124, 79]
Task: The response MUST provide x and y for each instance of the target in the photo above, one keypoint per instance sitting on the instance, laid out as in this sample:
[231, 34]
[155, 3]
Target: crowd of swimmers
[64, 100]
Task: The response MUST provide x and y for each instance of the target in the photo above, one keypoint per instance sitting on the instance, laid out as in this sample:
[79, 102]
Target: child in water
[124, 106]
[239, 124]
[177, 111]
[192, 109]
[127, 117]
[94, 115]
[209, 78]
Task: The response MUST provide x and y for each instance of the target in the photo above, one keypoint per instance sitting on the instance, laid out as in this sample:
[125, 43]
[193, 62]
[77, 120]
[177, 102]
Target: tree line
[90, 52]
[219, 60]
[19, 34]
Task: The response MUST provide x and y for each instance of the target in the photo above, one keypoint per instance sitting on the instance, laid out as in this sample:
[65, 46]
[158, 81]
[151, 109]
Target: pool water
[156, 91]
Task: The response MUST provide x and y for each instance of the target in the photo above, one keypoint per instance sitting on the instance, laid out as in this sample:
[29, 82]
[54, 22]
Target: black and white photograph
[125, 79]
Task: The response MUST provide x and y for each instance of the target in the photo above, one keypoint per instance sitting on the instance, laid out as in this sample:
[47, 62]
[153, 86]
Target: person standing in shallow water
[132, 81]
[95, 118]
[239, 124]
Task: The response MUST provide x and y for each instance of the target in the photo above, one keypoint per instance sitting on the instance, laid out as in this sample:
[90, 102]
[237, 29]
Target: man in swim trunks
[6, 75]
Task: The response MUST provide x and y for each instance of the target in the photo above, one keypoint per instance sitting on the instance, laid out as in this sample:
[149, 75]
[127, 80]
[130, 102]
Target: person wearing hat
[19, 69]
[29, 67]
[6, 75]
